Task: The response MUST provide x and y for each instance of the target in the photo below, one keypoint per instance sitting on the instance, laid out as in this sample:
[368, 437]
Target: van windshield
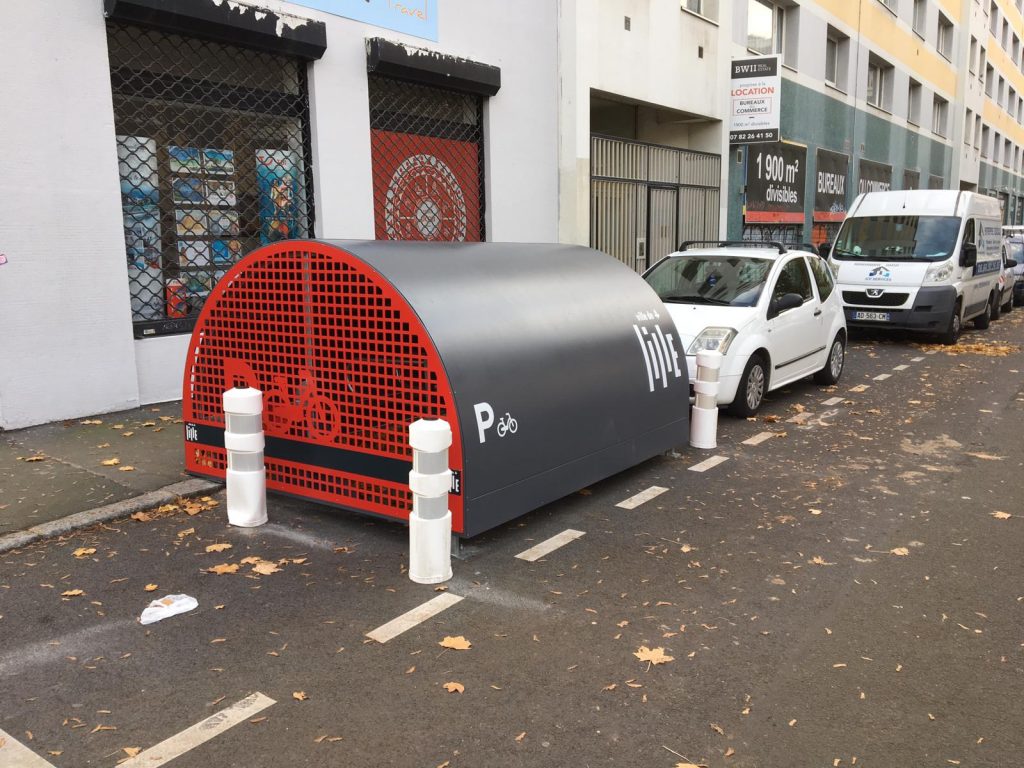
[728, 281]
[897, 238]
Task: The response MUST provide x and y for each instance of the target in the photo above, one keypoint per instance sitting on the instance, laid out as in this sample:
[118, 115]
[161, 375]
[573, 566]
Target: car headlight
[938, 273]
[712, 339]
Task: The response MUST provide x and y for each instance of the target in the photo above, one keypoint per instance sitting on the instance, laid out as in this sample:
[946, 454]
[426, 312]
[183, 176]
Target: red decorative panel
[344, 367]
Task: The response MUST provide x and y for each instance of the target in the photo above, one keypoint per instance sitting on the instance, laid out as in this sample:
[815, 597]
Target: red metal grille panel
[343, 364]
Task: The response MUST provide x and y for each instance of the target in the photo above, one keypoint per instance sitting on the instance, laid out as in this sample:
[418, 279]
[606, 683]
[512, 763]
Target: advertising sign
[830, 184]
[776, 176]
[413, 17]
[874, 177]
[755, 100]
[424, 188]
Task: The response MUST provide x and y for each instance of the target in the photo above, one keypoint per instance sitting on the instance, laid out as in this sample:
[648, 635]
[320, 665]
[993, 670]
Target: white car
[774, 314]
[1007, 281]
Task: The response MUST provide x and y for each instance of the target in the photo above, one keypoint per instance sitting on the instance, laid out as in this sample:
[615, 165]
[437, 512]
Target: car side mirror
[969, 255]
[824, 250]
[784, 303]
[1011, 263]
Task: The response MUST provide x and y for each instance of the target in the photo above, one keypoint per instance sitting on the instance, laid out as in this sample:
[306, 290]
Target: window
[977, 131]
[822, 277]
[993, 19]
[920, 16]
[981, 63]
[968, 125]
[940, 112]
[890, 4]
[765, 27]
[794, 279]
[914, 102]
[944, 37]
[1000, 91]
[984, 141]
[990, 77]
[1007, 151]
[974, 53]
[706, 8]
[837, 54]
[879, 91]
[997, 145]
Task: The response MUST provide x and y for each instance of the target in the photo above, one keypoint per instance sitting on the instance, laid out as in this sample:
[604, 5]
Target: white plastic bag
[168, 606]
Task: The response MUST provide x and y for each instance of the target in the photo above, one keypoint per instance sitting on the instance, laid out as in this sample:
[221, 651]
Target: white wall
[65, 321]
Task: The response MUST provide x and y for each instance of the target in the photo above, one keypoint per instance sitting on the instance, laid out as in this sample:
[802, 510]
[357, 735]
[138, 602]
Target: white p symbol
[484, 418]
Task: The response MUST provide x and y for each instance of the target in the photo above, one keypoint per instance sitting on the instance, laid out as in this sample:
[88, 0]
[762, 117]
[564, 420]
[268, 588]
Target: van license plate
[880, 316]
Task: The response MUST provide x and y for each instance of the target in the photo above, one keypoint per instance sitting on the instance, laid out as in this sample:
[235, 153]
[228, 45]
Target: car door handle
[817, 311]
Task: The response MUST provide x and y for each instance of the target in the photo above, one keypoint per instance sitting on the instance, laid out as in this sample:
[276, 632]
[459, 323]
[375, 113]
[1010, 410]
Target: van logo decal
[879, 273]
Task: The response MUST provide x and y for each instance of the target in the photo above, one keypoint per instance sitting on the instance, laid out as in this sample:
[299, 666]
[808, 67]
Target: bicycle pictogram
[285, 408]
[507, 425]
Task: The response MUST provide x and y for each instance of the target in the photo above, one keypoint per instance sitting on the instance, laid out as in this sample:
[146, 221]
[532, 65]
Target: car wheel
[982, 321]
[834, 364]
[952, 332]
[753, 385]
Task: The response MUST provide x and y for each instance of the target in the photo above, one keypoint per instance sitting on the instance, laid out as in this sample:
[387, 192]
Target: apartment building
[880, 94]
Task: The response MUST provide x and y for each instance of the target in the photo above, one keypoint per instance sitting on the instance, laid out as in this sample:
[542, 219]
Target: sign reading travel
[413, 17]
[755, 98]
[830, 184]
[874, 177]
[776, 175]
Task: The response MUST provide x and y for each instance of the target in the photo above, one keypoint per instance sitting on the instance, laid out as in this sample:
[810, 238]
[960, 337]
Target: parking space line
[707, 464]
[200, 733]
[644, 496]
[833, 401]
[916, 359]
[882, 377]
[410, 619]
[535, 553]
[901, 367]
[759, 438]
[14, 754]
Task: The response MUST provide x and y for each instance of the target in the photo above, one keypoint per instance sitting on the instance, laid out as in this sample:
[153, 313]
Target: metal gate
[645, 199]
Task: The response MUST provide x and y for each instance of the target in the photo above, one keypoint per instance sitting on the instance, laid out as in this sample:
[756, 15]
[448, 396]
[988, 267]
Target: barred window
[214, 158]
[427, 155]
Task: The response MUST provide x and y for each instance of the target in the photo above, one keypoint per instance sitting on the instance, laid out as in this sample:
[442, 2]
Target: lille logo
[660, 355]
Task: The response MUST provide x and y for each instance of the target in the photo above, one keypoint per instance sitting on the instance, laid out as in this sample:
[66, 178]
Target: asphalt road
[841, 594]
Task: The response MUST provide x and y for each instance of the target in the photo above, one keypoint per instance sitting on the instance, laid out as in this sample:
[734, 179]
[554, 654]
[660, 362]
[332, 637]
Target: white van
[922, 260]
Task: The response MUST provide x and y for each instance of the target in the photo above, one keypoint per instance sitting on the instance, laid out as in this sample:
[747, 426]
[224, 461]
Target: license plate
[880, 316]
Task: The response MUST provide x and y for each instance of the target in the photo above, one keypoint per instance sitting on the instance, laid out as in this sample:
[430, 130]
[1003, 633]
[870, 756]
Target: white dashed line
[14, 754]
[535, 553]
[641, 498]
[759, 438]
[882, 377]
[833, 401]
[916, 359]
[410, 619]
[901, 367]
[199, 733]
[707, 464]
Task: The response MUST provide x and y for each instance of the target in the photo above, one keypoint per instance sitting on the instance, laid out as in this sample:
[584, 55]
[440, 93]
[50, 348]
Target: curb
[165, 495]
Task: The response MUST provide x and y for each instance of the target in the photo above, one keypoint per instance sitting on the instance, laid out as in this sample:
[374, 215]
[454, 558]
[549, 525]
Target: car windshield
[728, 281]
[897, 238]
[1015, 250]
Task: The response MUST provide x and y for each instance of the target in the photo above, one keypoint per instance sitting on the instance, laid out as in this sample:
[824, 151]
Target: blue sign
[412, 17]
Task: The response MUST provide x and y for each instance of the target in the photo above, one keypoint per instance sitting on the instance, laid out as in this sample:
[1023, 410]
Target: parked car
[1007, 278]
[1015, 250]
[774, 314]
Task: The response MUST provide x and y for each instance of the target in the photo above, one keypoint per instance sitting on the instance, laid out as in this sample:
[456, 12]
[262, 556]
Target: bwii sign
[755, 100]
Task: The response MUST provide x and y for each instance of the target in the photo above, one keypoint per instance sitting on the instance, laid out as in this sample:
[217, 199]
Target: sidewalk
[53, 471]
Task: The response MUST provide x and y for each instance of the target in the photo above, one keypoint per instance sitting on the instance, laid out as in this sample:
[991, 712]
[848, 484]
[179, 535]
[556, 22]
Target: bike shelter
[555, 365]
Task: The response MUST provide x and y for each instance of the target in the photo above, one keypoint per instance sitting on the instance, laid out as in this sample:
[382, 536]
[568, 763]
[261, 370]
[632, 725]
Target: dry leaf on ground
[265, 568]
[900, 551]
[224, 568]
[150, 587]
[521, 736]
[985, 456]
[652, 655]
[72, 593]
[186, 532]
[217, 547]
[38, 457]
[300, 696]
[1001, 515]
[454, 687]
[131, 751]
[142, 517]
[456, 643]
[126, 468]
[84, 552]
[111, 462]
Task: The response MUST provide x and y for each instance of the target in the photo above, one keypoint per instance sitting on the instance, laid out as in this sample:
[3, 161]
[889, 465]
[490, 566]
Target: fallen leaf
[814, 511]
[265, 568]
[654, 656]
[686, 548]
[410, 670]
[901, 551]
[131, 751]
[717, 729]
[441, 588]
[217, 640]
[251, 560]
[610, 687]
[985, 456]
[456, 643]
[1001, 515]
[454, 687]
[111, 462]
[819, 560]
[142, 517]
[792, 723]
[127, 434]
[224, 568]
[521, 736]
[150, 587]
[730, 752]
[126, 468]
[217, 547]
[186, 532]
[257, 720]
[770, 419]
[38, 457]
[72, 593]
[103, 728]
[300, 696]
[84, 552]
[91, 421]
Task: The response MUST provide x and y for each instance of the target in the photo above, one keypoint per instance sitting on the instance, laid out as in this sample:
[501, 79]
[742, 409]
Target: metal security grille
[427, 151]
[344, 365]
[647, 198]
[214, 158]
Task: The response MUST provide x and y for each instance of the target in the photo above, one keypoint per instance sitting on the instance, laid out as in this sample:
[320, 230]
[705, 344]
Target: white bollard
[244, 443]
[430, 522]
[704, 417]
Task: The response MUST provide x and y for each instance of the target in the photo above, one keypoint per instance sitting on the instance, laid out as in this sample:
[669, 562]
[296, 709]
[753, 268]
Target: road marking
[644, 496]
[200, 733]
[707, 464]
[759, 438]
[833, 401]
[932, 352]
[14, 754]
[800, 418]
[901, 367]
[410, 619]
[882, 377]
[916, 359]
[860, 388]
[535, 553]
